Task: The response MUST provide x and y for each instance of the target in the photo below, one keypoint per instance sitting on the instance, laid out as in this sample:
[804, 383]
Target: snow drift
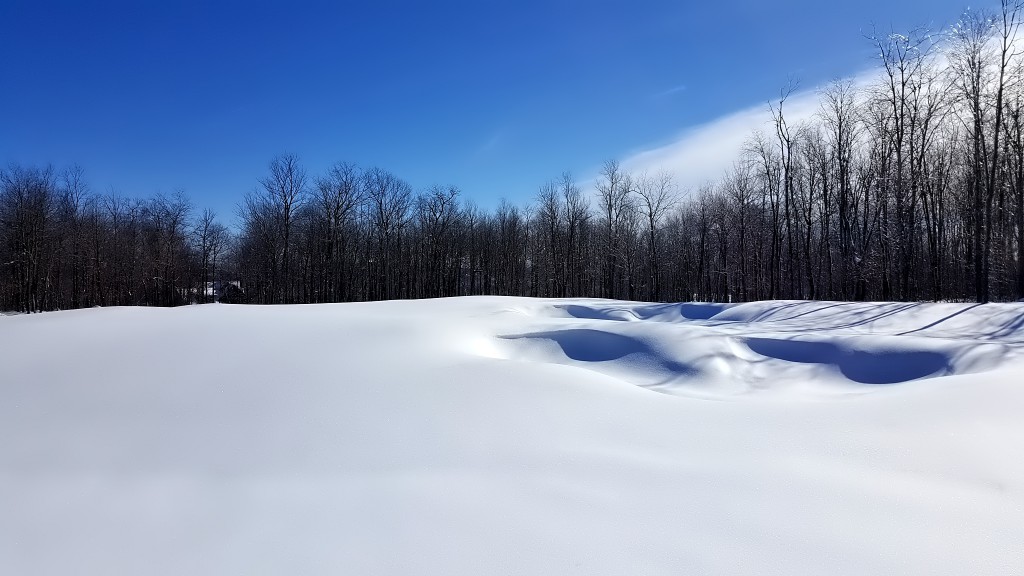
[514, 436]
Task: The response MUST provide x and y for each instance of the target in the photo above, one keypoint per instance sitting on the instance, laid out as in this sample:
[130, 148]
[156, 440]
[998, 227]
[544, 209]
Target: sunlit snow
[499, 435]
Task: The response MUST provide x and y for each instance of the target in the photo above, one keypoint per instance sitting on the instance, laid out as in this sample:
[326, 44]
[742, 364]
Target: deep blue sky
[495, 97]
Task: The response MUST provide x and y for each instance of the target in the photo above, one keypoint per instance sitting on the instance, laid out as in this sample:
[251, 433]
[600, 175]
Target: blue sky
[495, 97]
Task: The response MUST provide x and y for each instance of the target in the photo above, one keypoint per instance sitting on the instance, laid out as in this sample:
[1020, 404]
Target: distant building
[228, 292]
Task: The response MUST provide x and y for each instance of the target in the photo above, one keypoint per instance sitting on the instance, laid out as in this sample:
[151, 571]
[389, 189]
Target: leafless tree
[657, 195]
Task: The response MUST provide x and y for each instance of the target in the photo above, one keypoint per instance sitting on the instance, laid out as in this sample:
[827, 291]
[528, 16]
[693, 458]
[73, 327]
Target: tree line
[62, 246]
[908, 188]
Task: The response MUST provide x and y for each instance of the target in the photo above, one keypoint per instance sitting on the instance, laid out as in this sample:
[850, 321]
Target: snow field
[514, 436]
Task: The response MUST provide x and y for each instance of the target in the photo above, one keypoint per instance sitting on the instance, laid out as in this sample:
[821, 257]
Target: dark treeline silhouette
[909, 188]
[64, 247]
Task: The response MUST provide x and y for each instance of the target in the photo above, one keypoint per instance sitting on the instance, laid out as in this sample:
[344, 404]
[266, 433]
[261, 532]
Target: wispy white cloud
[671, 91]
[701, 154]
[493, 142]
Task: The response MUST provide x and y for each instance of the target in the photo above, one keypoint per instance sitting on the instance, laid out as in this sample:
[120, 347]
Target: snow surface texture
[514, 436]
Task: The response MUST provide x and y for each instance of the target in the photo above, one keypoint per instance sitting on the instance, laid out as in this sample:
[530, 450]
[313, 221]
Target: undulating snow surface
[480, 436]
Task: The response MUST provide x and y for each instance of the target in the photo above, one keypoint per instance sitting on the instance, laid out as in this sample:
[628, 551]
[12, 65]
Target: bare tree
[839, 116]
[785, 146]
[339, 195]
[613, 191]
[657, 195]
[577, 218]
[284, 190]
[388, 202]
[982, 54]
[210, 239]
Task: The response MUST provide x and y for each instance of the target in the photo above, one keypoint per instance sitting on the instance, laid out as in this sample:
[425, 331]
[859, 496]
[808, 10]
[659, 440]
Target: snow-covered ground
[478, 436]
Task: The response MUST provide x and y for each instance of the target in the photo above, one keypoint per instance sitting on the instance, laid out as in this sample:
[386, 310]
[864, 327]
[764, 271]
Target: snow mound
[698, 349]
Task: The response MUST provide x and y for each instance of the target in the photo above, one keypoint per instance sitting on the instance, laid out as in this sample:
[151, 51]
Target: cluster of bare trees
[909, 188]
[363, 234]
[62, 246]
